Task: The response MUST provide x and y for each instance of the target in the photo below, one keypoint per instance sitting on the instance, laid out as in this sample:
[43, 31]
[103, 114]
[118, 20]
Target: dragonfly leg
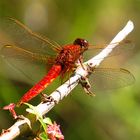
[86, 85]
[47, 99]
[80, 62]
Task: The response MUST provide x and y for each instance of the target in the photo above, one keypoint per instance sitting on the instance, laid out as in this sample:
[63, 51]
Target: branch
[61, 92]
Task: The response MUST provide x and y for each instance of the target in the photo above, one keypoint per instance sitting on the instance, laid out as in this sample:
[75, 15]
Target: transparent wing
[110, 78]
[23, 63]
[18, 34]
[24, 50]
[123, 47]
[15, 52]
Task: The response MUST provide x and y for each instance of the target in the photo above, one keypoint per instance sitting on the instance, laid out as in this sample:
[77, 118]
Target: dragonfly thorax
[69, 55]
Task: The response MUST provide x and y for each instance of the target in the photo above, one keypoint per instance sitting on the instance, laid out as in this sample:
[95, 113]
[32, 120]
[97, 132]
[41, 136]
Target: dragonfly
[37, 48]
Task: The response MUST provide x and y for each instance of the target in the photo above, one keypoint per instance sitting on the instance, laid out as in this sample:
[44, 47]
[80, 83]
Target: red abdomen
[41, 85]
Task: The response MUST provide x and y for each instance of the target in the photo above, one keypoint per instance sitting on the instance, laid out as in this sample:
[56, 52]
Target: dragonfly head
[82, 42]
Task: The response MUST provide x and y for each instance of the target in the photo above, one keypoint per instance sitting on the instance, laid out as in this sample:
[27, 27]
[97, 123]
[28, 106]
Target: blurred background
[107, 116]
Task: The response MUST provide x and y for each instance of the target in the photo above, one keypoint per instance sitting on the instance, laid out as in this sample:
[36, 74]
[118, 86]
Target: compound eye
[85, 43]
[81, 42]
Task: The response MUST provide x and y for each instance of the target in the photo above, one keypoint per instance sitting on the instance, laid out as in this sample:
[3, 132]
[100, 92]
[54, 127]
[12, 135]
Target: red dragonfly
[63, 62]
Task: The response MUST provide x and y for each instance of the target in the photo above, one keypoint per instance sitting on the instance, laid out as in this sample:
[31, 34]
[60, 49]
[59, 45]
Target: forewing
[110, 78]
[123, 47]
[18, 34]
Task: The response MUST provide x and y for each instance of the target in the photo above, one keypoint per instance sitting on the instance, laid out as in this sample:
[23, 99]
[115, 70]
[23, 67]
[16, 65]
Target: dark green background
[113, 116]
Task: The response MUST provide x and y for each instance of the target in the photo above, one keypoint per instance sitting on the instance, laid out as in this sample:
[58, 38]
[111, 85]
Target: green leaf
[43, 136]
[34, 111]
[47, 120]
